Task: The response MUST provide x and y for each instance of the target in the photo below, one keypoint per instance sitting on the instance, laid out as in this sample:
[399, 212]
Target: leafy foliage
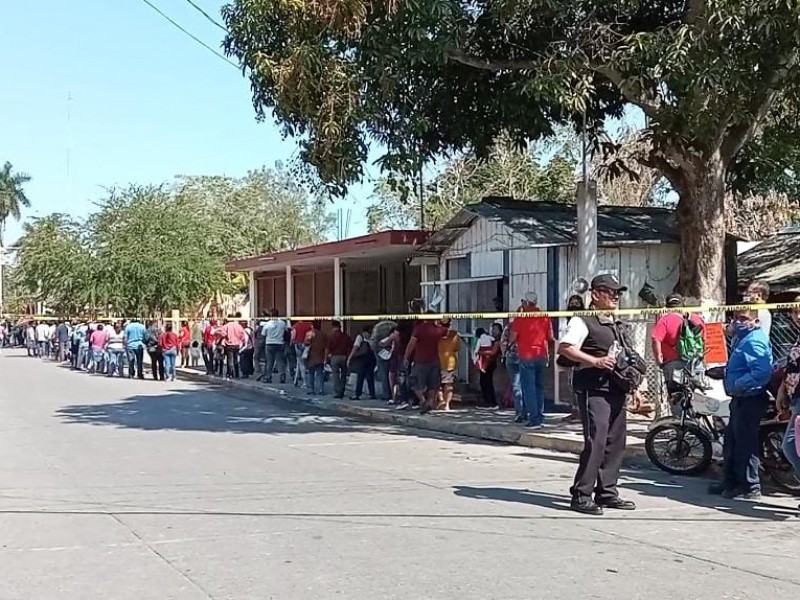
[12, 195]
[717, 79]
[150, 249]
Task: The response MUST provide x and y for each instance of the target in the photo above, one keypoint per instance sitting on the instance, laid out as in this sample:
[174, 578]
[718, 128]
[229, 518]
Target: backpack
[690, 341]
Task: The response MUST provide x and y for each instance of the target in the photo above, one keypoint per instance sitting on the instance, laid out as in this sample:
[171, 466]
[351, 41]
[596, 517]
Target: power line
[208, 16]
[191, 35]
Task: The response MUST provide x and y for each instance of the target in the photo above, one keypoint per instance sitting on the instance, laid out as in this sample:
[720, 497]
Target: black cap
[608, 281]
[675, 300]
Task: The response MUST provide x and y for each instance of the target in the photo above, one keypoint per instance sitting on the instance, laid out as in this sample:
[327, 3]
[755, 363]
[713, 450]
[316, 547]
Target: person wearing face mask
[747, 375]
[593, 344]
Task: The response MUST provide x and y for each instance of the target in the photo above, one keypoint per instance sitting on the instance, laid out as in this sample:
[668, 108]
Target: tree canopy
[717, 80]
[12, 195]
[151, 249]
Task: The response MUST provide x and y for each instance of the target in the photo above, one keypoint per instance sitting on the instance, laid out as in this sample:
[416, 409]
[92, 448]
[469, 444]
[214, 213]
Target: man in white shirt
[758, 293]
[274, 333]
[43, 339]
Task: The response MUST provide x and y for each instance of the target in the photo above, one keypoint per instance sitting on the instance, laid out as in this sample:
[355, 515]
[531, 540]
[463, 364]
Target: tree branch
[738, 135]
[493, 64]
[633, 93]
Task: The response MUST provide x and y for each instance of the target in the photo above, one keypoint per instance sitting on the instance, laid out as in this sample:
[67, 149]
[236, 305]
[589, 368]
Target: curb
[503, 433]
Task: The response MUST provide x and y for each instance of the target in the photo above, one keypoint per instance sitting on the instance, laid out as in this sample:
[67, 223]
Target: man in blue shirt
[134, 336]
[746, 378]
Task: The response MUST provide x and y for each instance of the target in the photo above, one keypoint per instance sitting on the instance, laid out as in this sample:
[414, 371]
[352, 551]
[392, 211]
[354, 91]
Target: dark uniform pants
[604, 432]
[740, 448]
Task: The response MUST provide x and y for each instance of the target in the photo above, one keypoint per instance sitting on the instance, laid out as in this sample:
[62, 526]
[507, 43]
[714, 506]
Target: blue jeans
[382, 377]
[512, 366]
[300, 371]
[170, 356]
[740, 447]
[116, 362]
[316, 373]
[531, 374]
[789, 448]
[276, 357]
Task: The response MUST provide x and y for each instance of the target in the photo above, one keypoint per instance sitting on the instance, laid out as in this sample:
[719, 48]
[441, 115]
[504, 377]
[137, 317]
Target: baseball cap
[608, 281]
[530, 297]
[674, 300]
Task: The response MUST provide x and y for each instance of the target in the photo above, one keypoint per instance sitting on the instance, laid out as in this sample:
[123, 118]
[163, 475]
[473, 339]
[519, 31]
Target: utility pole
[587, 217]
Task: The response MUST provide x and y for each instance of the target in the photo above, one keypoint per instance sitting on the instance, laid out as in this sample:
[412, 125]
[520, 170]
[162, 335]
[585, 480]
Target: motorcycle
[688, 443]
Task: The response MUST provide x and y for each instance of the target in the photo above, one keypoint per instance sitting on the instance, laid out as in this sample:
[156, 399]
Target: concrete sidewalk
[473, 422]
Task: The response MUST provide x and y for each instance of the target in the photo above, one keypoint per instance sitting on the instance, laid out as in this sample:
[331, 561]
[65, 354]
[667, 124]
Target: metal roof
[553, 223]
[776, 260]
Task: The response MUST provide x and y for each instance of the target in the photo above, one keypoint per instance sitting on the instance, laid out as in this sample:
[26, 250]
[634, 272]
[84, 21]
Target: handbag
[630, 369]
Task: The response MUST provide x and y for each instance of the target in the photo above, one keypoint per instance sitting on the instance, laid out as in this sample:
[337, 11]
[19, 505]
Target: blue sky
[147, 102]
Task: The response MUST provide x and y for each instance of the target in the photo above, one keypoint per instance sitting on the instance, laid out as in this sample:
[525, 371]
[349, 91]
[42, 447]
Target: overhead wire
[208, 16]
[190, 34]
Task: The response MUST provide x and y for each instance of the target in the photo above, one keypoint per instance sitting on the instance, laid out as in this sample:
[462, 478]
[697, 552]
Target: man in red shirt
[233, 338]
[300, 330]
[426, 372]
[532, 335]
[666, 335]
[339, 346]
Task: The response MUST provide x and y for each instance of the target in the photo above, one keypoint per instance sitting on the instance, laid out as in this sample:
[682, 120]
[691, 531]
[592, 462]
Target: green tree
[717, 80]
[53, 263]
[12, 196]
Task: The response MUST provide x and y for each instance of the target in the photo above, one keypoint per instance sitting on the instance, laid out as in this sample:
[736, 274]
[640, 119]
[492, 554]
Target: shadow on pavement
[679, 492]
[203, 410]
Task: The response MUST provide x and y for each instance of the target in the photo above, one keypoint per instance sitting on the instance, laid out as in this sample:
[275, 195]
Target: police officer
[590, 343]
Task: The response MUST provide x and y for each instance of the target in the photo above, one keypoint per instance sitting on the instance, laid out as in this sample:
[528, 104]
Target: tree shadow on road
[204, 410]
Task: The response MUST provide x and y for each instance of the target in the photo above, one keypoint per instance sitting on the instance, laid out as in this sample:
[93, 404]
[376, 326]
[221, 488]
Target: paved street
[117, 489]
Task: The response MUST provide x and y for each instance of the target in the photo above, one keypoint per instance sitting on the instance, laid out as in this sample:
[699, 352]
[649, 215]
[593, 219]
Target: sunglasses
[612, 293]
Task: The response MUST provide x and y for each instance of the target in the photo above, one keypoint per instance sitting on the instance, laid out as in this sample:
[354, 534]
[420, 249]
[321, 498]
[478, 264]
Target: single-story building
[368, 274]
[491, 253]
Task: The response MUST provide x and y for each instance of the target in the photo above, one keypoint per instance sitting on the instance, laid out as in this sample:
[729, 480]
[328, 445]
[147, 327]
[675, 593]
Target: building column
[253, 292]
[289, 291]
[337, 287]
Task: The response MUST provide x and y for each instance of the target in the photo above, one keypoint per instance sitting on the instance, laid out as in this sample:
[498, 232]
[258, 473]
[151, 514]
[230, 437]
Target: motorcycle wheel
[679, 449]
[774, 463]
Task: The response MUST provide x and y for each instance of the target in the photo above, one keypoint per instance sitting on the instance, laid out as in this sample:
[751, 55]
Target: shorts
[448, 377]
[425, 377]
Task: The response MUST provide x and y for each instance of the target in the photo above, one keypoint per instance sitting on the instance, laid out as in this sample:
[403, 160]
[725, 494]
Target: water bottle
[613, 351]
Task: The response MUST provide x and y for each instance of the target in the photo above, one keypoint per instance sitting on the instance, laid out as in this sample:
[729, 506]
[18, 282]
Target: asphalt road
[118, 489]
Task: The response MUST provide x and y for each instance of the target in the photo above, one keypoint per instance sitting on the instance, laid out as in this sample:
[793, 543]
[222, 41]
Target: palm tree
[12, 196]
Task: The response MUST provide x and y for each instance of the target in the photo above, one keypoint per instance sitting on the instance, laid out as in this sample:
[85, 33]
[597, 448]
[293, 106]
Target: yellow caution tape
[622, 312]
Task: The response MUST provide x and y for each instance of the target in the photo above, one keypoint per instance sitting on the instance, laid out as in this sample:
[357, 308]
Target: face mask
[741, 329]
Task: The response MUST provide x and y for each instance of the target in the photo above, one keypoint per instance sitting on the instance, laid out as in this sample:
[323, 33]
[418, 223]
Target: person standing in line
[275, 347]
[382, 330]
[62, 339]
[185, 338]
[339, 345]
[362, 361]
[233, 339]
[574, 303]
[43, 339]
[169, 342]
[489, 357]
[154, 351]
[448, 364]
[788, 398]
[758, 293]
[52, 342]
[99, 340]
[316, 355]
[78, 333]
[246, 354]
[85, 349]
[259, 347]
[747, 376]
[30, 339]
[422, 353]
[134, 336]
[666, 336]
[511, 359]
[532, 336]
[300, 330]
[209, 343]
[115, 350]
[593, 344]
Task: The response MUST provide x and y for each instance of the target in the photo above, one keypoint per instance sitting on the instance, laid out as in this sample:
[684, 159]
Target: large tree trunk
[701, 221]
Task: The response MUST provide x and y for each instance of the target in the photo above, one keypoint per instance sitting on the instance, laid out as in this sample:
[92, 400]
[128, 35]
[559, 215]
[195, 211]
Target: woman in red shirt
[186, 340]
[169, 344]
